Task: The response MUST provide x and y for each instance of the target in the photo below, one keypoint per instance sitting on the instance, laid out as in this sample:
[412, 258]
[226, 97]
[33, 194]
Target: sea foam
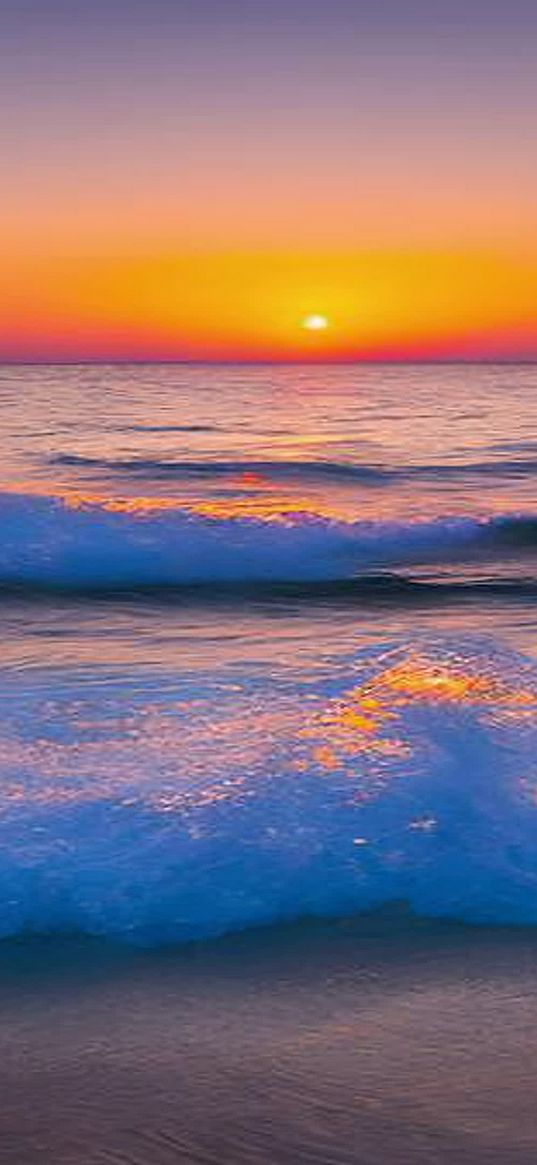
[53, 541]
[164, 809]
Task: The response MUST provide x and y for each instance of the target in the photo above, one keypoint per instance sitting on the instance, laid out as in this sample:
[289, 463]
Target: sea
[268, 646]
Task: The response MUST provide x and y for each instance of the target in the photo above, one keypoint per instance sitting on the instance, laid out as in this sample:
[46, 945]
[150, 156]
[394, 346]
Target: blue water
[269, 645]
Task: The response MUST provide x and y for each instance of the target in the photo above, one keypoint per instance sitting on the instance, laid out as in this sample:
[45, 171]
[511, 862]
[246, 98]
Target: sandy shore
[377, 1041]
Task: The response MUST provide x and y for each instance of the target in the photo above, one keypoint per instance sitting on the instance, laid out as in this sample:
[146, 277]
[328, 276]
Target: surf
[80, 543]
[175, 807]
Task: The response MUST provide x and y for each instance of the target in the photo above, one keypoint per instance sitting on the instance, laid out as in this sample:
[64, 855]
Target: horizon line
[177, 361]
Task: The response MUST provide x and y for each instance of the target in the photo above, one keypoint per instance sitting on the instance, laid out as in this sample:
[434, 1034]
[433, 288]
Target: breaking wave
[178, 809]
[50, 542]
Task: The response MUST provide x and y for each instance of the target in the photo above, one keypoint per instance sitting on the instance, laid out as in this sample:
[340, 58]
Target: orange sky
[380, 305]
[188, 181]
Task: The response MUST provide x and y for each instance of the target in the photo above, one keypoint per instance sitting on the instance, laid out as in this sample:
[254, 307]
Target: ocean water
[269, 646]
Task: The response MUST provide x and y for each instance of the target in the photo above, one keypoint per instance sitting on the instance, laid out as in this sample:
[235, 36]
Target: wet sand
[379, 1040]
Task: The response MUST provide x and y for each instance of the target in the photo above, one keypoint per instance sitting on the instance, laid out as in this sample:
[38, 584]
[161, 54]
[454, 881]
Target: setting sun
[315, 323]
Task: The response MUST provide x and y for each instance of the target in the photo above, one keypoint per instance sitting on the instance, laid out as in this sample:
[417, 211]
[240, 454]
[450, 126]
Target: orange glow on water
[270, 506]
[367, 720]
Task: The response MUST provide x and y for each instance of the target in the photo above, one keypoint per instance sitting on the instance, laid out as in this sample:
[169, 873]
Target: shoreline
[383, 1038]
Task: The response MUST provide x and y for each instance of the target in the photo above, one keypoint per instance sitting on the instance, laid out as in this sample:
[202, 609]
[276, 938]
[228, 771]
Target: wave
[50, 542]
[156, 467]
[281, 470]
[176, 810]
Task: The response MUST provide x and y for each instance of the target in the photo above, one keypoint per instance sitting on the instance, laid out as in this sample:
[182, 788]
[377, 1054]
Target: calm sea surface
[268, 644]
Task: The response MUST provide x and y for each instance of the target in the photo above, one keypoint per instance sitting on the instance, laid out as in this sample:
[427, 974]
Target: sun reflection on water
[368, 719]
[178, 756]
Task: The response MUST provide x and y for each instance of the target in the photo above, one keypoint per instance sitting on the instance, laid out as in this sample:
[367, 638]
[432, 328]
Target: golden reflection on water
[171, 757]
[368, 718]
[259, 500]
[256, 496]
[183, 755]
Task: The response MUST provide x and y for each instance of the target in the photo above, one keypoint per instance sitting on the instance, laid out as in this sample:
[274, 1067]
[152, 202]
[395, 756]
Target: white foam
[48, 542]
[162, 810]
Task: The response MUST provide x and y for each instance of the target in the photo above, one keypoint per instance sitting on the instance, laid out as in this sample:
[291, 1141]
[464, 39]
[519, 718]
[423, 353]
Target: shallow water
[269, 642]
[349, 1043]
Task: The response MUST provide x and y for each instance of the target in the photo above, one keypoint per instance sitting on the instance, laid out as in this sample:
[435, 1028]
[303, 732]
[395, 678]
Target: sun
[315, 323]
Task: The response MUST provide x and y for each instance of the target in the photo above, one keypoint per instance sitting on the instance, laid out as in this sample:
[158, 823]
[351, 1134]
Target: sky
[191, 179]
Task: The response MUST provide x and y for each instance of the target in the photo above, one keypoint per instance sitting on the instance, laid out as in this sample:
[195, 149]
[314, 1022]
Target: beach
[379, 1039]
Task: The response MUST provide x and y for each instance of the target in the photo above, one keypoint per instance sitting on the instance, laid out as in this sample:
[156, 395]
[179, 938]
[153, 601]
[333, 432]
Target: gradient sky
[190, 178]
